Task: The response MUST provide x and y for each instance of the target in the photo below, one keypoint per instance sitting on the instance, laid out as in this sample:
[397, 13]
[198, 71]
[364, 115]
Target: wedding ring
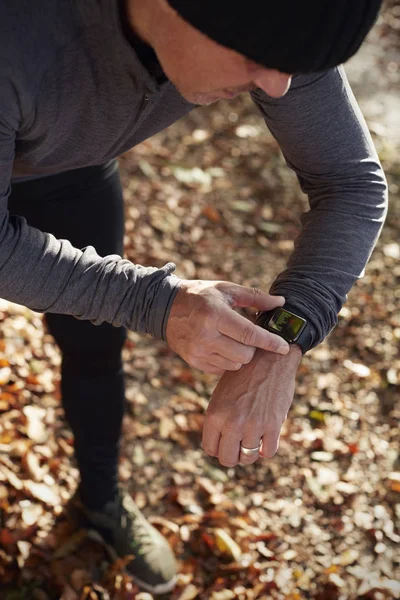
[249, 451]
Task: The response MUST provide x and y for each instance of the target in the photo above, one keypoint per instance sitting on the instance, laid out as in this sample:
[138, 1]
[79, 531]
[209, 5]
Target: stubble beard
[207, 98]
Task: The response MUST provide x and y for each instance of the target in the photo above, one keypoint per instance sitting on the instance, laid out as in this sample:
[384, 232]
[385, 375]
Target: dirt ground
[321, 519]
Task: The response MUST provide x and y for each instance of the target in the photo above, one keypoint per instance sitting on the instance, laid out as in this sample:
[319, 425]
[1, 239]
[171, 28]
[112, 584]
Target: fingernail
[283, 349]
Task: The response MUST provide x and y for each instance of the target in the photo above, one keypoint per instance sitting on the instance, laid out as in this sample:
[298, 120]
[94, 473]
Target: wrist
[293, 357]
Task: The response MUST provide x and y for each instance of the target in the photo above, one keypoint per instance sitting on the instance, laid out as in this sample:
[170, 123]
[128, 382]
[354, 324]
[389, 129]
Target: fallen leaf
[211, 213]
[32, 465]
[190, 592]
[357, 368]
[322, 456]
[227, 545]
[35, 428]
[5, 375]
[31, 513]
[348, 557]
[42, 492]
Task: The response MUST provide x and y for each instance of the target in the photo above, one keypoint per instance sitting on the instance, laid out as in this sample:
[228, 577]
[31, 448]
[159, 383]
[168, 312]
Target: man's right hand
[206, 331]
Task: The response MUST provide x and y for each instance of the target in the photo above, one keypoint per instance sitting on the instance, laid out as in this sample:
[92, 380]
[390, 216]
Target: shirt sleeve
[50, 275]
[325, 140]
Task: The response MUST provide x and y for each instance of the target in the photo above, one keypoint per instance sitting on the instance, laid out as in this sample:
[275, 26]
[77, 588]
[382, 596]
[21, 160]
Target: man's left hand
[249, 406]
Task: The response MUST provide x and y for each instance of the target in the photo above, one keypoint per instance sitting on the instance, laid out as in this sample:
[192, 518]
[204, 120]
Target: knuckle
[233, 427]
[256, 291]
[234, 366]
[228, 464]
[249, 356]
[208, 451]
[224, 287]
[247, 460]
[274, 343]
[269, 450]
[213, 421]
[255, 426]
[248, 336]
[268, 454]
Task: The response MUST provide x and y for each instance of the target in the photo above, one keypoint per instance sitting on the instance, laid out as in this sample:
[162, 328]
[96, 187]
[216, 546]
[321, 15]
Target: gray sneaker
[126, 531]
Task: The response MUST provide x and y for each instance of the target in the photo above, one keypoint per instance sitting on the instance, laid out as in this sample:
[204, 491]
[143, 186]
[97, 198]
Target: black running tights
[85, 206]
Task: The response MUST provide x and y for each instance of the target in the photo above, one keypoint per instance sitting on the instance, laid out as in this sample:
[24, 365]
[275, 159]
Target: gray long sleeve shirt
[74, 93]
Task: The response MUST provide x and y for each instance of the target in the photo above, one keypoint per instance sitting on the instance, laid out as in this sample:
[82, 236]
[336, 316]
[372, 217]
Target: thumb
[252, 296]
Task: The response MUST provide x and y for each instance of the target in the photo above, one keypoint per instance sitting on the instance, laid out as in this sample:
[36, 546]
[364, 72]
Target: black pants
[85, 206]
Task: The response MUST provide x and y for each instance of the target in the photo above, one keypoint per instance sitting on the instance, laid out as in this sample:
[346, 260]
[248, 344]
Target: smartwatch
[287, 324]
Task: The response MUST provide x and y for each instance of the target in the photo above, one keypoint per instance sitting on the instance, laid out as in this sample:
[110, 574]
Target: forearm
[330, 255]
[325, 141]
[50, 275]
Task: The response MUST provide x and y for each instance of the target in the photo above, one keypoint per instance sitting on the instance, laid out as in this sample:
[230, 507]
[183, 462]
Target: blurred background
[319, 520]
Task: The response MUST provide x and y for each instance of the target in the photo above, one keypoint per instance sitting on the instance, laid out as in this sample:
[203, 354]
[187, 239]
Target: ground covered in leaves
[321, 519]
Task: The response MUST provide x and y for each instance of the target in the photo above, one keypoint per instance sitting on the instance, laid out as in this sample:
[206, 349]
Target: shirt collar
[144, 52]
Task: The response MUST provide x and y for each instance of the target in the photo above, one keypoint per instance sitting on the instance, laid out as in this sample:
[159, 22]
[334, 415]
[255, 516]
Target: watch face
[286, 324]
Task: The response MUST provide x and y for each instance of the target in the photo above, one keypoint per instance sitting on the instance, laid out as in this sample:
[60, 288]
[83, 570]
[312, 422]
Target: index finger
[233, 325]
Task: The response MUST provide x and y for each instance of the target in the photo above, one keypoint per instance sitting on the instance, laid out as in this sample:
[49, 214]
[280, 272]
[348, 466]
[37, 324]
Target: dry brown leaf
[227, 545]
[32, 464]
[211, 213]
[12, 479]
[31, 513]
[155, 520]
[35, 427]
[43, 492]
[6, 538]
[190, 592]
[5, 375]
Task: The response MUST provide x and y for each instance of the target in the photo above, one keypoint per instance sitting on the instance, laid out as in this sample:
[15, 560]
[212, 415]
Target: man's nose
[274, 83]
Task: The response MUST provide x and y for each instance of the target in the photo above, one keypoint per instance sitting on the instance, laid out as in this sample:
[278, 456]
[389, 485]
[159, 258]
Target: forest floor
[321, 519]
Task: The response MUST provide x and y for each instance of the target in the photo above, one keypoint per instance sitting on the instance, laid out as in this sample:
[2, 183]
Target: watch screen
[286, 324]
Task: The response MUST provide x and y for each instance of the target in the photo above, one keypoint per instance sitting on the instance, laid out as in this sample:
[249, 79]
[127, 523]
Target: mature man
[81, 82]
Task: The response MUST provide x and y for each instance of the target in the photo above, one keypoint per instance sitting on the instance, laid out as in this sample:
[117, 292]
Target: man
[82, 82]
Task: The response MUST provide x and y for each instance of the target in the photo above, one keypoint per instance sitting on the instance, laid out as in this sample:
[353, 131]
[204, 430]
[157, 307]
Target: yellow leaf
[227, 545]
[317, 416]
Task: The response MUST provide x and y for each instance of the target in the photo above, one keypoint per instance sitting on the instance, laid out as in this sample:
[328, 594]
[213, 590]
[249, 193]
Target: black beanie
[292, 36]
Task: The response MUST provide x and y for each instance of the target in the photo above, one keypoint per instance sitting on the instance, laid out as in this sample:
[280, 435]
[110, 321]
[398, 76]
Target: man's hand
[249, 406]
[204, 329]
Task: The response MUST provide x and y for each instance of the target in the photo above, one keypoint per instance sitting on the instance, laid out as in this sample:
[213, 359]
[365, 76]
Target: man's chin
[206, 98]
[203, 99]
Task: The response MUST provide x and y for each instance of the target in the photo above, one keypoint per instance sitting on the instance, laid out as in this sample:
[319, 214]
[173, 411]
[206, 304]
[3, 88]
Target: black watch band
[306, 336]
